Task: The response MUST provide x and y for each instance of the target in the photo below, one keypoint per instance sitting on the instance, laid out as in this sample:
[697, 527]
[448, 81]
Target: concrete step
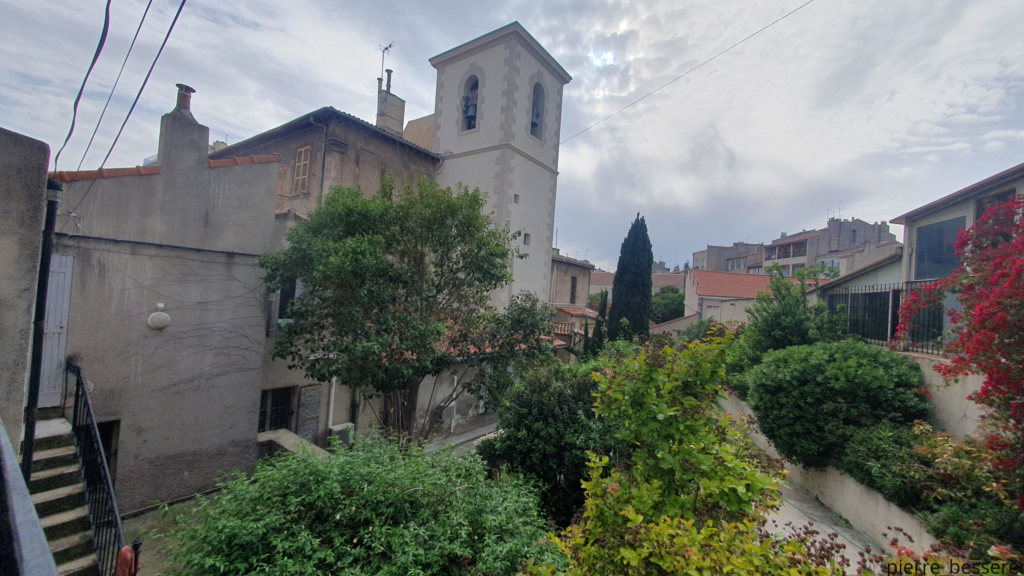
[49, 413]
[85, 566]
[53, 458]
[59, 500]
[72, 547]
[66, 523]
[53, 478]
[52, 433]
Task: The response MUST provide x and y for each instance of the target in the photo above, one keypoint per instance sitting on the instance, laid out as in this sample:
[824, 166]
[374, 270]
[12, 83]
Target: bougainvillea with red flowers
[988, 334]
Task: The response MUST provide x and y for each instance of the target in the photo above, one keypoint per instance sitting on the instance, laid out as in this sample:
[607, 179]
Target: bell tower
[497, 121]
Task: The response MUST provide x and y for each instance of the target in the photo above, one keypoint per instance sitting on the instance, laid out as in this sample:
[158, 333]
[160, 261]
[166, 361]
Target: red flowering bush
[988, 335]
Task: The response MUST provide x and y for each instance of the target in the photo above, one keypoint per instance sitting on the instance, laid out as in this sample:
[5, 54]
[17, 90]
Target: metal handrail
[104, 517]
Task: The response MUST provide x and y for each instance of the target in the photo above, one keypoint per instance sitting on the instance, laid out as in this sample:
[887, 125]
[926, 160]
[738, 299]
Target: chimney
[184, 97]
[390, 109]
[783, 235]
[183, 141]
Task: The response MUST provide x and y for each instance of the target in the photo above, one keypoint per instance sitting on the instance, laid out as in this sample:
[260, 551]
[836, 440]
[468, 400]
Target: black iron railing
[99, 490]
[874, 314]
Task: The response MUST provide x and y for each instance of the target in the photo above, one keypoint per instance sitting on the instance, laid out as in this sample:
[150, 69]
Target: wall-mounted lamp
[159, 320]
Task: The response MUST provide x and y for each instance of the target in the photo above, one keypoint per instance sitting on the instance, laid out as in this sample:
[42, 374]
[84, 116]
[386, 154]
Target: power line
[81, 89]
[130, 110]
[652, 92]
[112, 89]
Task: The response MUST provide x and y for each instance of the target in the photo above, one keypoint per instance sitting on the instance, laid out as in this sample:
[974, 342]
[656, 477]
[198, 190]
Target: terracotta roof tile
[601, 277]
[730, 284]
[658, 280]
[577, 311]
[73, 176]
[65, 176]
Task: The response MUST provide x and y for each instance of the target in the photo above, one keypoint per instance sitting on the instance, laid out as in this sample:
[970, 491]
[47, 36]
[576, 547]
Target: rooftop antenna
[384, 50]
[586, 253]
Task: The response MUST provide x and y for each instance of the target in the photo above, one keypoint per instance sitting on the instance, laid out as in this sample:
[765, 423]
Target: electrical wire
[113, 88]
[130, 110]
[652, 92]
[81, 89]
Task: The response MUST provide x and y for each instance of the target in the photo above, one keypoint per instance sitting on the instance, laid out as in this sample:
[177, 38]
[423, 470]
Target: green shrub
[547, 425]
[378, 508]
[810, 400]
[780, 318]
[883, 457]
[977, 525]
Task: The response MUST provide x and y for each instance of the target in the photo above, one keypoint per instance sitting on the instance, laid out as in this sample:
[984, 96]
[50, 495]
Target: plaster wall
[951, 411]
[187, 396]
[23, 163]
[562, 274]
[488, 66]
[675, 327]
[724, 309]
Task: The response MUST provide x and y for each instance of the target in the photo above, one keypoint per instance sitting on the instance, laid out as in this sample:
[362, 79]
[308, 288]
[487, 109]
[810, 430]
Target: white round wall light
[159, 320]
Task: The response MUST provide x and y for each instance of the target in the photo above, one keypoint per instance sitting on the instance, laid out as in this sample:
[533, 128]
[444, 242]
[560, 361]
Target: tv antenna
[384, 50]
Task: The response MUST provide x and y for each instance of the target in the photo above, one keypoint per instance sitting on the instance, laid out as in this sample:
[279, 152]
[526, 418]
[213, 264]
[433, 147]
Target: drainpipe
[54, 191]
[323, 155]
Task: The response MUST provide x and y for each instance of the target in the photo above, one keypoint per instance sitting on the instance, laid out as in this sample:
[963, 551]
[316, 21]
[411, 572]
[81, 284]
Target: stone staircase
[58, 493]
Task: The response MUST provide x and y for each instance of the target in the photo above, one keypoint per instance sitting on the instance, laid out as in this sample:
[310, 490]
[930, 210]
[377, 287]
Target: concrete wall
[675, 327]
[864, 508]
[724, 309]
[951, 411]
[187, 397]
[23, 163]
[421, 132]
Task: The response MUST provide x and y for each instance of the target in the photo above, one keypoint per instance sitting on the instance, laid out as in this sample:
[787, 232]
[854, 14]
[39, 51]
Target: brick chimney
[183, 141]
[390, 108]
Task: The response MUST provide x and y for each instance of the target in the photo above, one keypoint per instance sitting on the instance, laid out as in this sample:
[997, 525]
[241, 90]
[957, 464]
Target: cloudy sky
[876, 106]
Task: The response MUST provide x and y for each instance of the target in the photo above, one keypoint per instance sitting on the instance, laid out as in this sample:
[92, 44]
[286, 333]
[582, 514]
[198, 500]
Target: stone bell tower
[497, 121]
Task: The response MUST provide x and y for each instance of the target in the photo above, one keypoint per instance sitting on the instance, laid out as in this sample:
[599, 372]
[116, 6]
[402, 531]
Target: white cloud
[994, 146]
[1004, 134]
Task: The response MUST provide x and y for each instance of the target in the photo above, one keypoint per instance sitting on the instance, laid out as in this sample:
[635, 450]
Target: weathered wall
[187, 396]
[23, 163]
[951, 411]
[421, 132]
[675, 327]
[724, 309]
[562, 273]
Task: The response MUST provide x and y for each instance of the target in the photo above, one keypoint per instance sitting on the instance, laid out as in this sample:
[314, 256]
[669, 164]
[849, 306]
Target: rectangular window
[572, 290]
[110, 433]
[299, 185]
[785, 251]
[526, 239]
[935, 256]
[275, 409]
[785, 270]
[798, 266]
[515, 198]
[800, 249]
[288, 293]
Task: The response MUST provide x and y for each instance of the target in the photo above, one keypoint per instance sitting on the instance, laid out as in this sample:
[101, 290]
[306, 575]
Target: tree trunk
[399, 411]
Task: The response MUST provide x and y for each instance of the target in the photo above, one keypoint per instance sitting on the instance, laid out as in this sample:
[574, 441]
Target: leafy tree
[547, 424]
[599, 337]
[781, 317]
[988, 334]
[668, 304]
[685, 495]
[375, 508]
[586, 337]
[632, 284]
[397, 288]
[809, 400]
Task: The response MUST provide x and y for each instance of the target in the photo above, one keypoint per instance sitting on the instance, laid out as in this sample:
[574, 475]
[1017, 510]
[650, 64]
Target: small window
[526, 239]
[572, 290]
[515, 198]
[275, 409]
[469, 103]
[853, 237]
[537, 112]
[299, 185]
[800, 249]
[289, 292]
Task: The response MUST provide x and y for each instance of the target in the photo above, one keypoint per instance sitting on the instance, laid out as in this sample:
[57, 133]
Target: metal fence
[874, 314]
[99, 490]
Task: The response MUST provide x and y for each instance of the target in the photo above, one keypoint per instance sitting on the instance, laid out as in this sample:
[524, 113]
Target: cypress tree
[586, 337]
[597, 342]
[632, 284]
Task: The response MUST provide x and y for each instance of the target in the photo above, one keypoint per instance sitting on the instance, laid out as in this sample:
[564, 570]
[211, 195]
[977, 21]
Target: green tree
[632, 284]
[599, 337]
[668, 304]
[587, 345]
[396, 287]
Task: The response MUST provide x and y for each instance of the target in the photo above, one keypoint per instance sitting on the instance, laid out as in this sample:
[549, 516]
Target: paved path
[800, 508]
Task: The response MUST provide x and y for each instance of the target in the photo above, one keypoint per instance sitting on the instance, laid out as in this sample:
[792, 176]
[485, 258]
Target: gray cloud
[881, 106]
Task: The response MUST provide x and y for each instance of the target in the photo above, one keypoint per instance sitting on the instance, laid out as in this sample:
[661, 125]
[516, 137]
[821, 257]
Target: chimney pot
[380, 84]
[185, 96]
[388, 71]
